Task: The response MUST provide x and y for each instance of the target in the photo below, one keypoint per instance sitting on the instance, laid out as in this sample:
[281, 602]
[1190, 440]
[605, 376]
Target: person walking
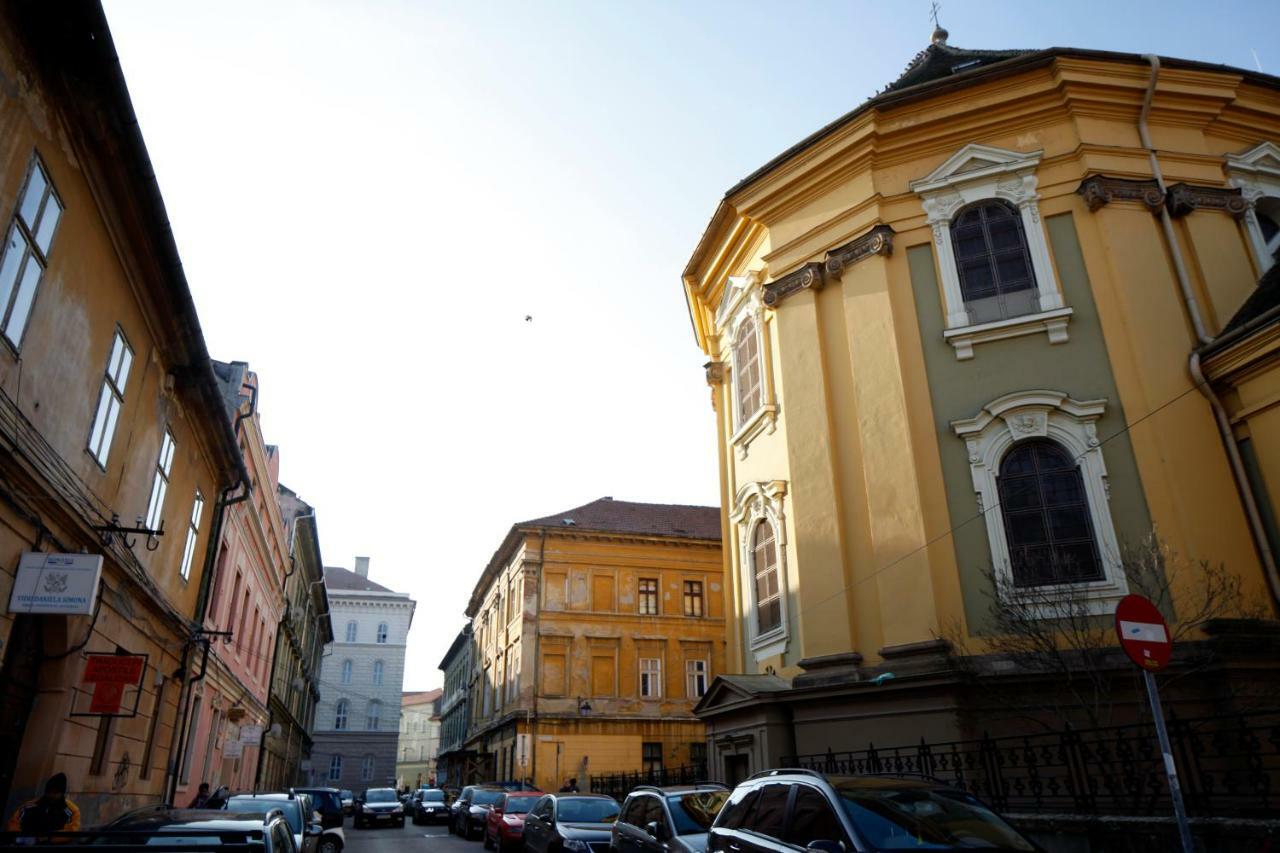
[48, 814]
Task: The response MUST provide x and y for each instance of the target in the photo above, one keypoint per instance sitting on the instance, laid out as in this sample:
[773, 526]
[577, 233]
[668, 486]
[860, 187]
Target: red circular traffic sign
[1143, 633]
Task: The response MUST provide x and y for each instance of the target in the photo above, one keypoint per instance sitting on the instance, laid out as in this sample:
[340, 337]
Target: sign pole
[1171, 769]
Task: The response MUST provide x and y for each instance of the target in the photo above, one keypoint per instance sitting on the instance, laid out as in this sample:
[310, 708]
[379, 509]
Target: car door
[726, 832]
[655, 813]
[764, 826]
[814, 818]
[630, 824]
[537, 825]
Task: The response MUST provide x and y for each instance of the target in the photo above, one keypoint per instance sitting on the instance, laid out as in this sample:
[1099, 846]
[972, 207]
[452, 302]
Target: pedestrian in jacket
[48, 814]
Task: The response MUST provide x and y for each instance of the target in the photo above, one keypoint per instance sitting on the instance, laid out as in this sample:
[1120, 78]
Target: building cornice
[814, 275]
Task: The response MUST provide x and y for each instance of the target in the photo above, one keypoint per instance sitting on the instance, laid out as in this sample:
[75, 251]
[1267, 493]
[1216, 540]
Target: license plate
[384, 817]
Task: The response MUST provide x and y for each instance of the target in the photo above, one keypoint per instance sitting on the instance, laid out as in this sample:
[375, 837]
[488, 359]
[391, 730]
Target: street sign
[1143, 634]
[56, 583]
[110, 675]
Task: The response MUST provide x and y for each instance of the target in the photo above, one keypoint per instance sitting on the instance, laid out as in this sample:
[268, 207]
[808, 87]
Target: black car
[668, 820]
[429, 806]
[377, 807]
[328, 801]
[782, 810]
[195, 830]
[472, 810]
[572, 823]
[464, 797]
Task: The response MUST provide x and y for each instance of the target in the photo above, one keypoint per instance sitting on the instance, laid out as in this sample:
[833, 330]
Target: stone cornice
[813, 275]
[1184, 198]
[1100, 190]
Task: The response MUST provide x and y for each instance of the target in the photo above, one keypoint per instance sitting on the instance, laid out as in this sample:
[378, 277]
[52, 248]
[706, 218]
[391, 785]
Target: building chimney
[362, 566]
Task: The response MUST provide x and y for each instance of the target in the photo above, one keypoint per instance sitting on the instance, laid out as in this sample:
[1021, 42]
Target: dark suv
[780, 810]
[667, 820]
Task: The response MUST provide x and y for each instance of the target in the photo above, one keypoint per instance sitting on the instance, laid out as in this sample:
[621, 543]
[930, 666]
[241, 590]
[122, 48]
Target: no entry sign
[1143, 634]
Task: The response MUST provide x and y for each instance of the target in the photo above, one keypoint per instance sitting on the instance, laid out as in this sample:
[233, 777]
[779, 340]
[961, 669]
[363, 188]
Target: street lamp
[584, 707]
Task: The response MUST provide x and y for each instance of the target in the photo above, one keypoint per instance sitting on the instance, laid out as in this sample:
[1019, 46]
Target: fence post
[989, 758]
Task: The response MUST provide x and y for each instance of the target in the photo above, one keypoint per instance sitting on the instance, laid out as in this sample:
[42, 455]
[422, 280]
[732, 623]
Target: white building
[358, 716]
[419, 738]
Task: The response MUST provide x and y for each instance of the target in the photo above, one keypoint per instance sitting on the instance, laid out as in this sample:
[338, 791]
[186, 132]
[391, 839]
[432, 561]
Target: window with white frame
[647, 589]
[651, 678]
[351, 631]
[366, 768]
[746, 370]
[1256, 172]
[377, 673]
[160, 483]
[193, 533]
[110, 398]
[26, 250]
[741, 321]
[346, 671]
[1036, 456]
[374, 716]
[340, 712]
[695, 675]
[760, 526]
[993, 257]
[693, 598]
[382, 632]
[335, 768]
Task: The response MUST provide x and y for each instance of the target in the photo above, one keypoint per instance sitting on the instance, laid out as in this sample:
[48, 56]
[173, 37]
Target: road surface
[412, 839]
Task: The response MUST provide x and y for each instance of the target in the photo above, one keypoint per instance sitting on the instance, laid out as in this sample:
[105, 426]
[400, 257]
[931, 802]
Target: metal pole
[1175, 790]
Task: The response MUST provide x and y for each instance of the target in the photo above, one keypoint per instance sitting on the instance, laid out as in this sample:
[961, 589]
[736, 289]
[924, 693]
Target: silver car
[298, 812]
[667, 820]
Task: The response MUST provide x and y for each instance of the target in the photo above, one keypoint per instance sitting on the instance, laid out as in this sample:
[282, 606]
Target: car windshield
[486, 798]
[431, 795]
[380, 795]
[519, 805]
[919, 818]
[594, 810]
[347, 795]
[694, 813]
[261, 805]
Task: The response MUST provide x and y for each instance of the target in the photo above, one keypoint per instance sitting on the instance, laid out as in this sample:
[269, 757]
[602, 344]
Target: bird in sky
[528, 318]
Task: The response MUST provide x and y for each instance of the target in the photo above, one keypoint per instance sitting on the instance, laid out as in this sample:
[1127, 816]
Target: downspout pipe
[1204, 341]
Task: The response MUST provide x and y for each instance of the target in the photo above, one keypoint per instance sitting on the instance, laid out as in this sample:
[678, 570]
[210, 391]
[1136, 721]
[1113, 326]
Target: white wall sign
[232, 749]
[56, 583]
[251, 734]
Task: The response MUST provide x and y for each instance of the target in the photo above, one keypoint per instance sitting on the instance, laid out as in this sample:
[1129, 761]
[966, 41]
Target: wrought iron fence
[618, 785]
[1227, 767]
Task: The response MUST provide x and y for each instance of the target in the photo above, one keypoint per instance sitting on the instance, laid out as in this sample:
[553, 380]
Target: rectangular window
[110, 399]
[26, 251]
[651, 757]
[160, 485]
[335, 768]
[366, 769]
[693, 598]
[648, 596]
[698, 753]
[651, 678]
[193, 533]
[695, 673]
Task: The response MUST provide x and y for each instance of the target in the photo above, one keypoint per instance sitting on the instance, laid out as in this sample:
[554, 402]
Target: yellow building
[595, 632]
[955, 341]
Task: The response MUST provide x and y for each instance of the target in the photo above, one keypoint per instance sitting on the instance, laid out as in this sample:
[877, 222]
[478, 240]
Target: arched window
[335, 768]
[346, 672]
[1267, 211]
[764, 570]
[340, 712]
[366, 768]
[382, 632]
[746, 370]
[996, 276]
[377, 673]
[1046, 516]
[374, 716]
[351, 631]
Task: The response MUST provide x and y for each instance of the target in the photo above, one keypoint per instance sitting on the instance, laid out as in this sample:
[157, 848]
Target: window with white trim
[746, 370]
[374, 716]
[377, 673]
[335, 768]
[346, 671]
[366, 768]
[742, 324]
[340, 712]
[160, 483]
[110, 398]
[764, 573]
[351, 631]
[651, 678]
[761, 576]
[1037, 465]
[1256, 173]
[193, 533]
[647, 589]
[695, 675]
[382, 633]
[26, 250]
[993, 256]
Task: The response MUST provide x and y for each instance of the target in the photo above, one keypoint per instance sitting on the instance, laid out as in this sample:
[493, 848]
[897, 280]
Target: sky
[371, 198]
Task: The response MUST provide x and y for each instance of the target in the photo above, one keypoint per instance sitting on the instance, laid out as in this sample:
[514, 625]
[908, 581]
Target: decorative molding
[756, 502]
[1003, 422]
[1052, 323]
[1256, 173]
[1184, 198]
[808, 277]
[1100, 190]
[715, 372]
[877, 241]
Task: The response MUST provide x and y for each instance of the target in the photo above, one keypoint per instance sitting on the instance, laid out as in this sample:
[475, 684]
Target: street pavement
[425, 839]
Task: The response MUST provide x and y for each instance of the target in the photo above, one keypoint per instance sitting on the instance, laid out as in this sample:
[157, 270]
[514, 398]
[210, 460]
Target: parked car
[429, 806]
[195, 830]
[328, 802]
[674, 820]
[464, 796]
[780, 810]
[573, 823]
[473, 810]
[297, 809]
[377, 807]
[348, 801]
[504, 827]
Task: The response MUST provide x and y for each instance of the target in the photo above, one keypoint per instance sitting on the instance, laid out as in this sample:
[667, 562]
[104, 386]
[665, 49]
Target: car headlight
[398, 810]
[575, 845]
[369, 809]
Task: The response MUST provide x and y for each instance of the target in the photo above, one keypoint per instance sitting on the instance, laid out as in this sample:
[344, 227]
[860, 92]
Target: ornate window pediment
[1256, 173]
[982, 173]
[742, 324]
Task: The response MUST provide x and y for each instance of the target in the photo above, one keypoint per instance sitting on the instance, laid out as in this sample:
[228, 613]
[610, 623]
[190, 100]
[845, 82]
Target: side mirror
[654, 829]
[822, 845]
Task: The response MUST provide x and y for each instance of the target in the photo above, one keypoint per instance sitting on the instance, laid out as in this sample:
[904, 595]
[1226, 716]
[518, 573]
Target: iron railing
[1227, 767]
[618, 785]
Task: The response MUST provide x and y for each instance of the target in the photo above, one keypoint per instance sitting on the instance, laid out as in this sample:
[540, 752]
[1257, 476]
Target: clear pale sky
[370, 197]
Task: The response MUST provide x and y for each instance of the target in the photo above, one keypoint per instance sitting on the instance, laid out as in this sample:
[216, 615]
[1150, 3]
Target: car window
[653, 813]
[432, 795]
[926, 819]
[594, 810]
[518, 805]
[380, 795]
[261, 805]
[768, 815]
[542, 808]
[486, 798]
[813, 819]
[632, 811]
[694, 813]
[738, 807]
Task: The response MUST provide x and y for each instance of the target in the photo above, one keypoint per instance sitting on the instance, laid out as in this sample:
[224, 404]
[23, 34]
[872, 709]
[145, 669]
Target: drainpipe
[1254, 517]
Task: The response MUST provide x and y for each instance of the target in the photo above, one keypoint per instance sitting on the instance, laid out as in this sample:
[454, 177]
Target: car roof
[393, 790]
[318, 790]
[679, 789]
[274, 797]
[581, 796]
[214, 819]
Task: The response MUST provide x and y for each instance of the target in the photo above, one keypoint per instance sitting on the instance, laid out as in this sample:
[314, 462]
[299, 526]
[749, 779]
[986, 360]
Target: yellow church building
[973, 347]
